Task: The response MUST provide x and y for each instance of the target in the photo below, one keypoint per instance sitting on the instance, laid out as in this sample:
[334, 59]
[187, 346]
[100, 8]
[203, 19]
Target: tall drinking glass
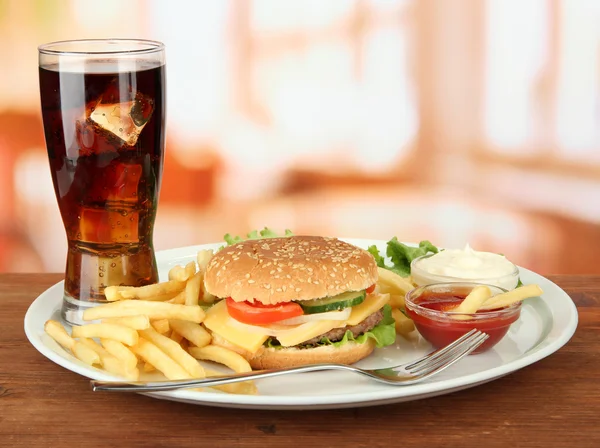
[103, 107]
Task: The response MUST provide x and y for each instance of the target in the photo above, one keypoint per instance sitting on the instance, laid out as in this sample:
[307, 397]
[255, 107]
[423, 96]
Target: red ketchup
[432, 314]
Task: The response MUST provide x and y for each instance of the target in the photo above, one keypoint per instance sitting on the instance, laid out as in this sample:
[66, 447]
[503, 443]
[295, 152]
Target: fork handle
[158, 386]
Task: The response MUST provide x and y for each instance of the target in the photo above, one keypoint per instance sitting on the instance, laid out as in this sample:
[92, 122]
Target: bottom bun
[349, 353]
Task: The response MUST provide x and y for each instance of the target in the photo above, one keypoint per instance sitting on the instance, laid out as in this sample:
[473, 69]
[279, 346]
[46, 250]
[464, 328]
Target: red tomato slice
[371, 288]
[259, 314]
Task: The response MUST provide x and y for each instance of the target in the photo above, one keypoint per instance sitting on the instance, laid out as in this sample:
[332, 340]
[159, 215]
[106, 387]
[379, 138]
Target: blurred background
[455, 121]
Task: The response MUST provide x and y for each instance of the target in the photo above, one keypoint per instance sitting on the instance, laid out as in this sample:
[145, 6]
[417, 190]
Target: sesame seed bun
[277, 270]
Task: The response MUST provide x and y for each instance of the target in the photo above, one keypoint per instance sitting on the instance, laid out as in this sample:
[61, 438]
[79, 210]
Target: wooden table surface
[552, 403]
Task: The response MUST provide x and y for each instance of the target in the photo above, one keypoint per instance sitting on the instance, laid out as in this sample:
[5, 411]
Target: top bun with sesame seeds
[295, 268]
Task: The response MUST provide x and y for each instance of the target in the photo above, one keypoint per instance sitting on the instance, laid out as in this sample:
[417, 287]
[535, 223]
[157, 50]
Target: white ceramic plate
[544, 327]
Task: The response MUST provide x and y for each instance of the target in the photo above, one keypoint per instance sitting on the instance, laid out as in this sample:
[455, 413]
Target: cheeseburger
[297, 300]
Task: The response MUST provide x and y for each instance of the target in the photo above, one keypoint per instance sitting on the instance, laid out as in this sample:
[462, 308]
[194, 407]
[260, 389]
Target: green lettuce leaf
[254, 235]
[378, 258]
[383, 334]
[401, 255]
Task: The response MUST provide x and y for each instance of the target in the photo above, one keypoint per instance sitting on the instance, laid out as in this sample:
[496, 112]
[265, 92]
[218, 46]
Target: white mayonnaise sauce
[466, 264]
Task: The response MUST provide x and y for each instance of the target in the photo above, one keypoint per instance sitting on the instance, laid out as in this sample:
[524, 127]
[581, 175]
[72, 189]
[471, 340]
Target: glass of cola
[103, 108]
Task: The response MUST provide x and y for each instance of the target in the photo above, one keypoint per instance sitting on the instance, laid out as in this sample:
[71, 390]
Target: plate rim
[533, 355]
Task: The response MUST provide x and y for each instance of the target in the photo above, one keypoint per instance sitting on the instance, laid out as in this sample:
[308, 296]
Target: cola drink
[104, 129]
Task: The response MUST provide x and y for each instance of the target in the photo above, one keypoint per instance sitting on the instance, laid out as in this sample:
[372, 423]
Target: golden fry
[181, 273]
[194, 333]
[175, 352]
[179, 298]
[57, 332]
[511, 297]
[243, 387]
[110, 363]
[139, 322]
[229, 358]
[398, 285]
[154, 310]
[94, 346]
[203, 258]
[397, 301]
[474, 300]
[384, 288]
[85, 354]
[113, 293]
[403, 324]
[176, 337]
[148, 368]
[160, 360]
[126, 335]
[161, 325]
[121, 352]
[175, 272]
[155, 292]
[116, 366]
[185, 344]
[190, 269]
[192, 289]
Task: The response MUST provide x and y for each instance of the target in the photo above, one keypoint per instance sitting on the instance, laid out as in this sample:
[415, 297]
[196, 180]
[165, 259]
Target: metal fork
[402, 375]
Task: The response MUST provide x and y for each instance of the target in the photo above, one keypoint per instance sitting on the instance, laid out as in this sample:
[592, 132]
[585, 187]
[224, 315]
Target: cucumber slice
[339, 302]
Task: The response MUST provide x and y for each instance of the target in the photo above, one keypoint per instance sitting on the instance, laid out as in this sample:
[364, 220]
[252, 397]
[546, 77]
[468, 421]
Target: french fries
[111, 363]
[121, 333]
[511, 297]
[397, 301]
[113, 293]
[397, 287]
[473, 301]
[393, 282]
[243, 387]
[155, 292]
[121, 352]
[140, 322]
[85, 354]
[176, 337]
[94, 346]
[203, 258]
[221, 355]
[114, 365]
[149, 352]
[174, 351]
[404, 326]
[57, 332]
[178, 299]
[181, 273]
[150, 329]
[194, 333]
[192, 289]
[148, 368]
[161, 325]
[154, 310]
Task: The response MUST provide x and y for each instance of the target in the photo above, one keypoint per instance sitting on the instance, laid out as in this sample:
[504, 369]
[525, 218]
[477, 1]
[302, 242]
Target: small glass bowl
[421, 277]
[440, 327]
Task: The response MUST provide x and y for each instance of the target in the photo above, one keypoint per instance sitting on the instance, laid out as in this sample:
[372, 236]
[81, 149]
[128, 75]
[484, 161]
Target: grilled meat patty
[338, 333]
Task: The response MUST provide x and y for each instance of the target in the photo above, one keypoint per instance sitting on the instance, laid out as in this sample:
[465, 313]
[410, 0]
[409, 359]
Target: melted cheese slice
[217, 319]
[304, 332]
[373, 303]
